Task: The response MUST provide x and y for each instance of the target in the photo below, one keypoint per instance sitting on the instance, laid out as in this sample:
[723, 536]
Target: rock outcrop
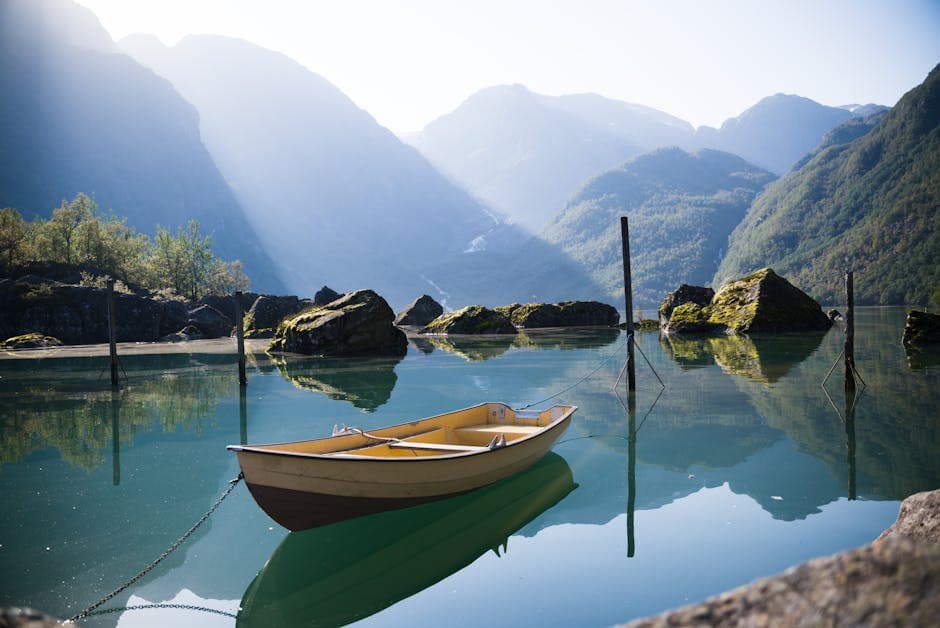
[895, 582]
[360, 323]
[226, 303]
[267, 312]
[420, 312]
[761, 302]
[685, 293]
[473, 319]
[564, 314]
[918, 519]
[30, 341]
[921, 329]
[211, 322]
[79, 315]
[325, 295]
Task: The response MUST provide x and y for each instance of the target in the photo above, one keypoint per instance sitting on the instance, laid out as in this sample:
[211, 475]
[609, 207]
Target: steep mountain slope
[681, 208]
[518, 153]
[526, 154]
[340, 198]
[775, 132]
[81, 118]
[871, 205]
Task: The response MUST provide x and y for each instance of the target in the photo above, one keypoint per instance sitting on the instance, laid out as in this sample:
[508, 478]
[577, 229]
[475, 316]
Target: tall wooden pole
[850, 333]
[628, 302]
[240, 338]
[243, 415]
[112, 334]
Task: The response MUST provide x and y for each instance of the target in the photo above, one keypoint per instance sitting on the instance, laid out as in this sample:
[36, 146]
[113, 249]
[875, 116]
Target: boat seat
[495, 428]
[435, 446]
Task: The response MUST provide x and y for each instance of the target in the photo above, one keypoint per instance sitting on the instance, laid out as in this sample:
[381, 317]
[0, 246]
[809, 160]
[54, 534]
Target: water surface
[743, 466]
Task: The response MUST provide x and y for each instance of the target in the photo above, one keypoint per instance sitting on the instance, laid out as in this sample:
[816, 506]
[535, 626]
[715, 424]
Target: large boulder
[360, 323]
[685, 293]
[895, 582]
[421, 311]
[761, 302]
[473, 319]
[226, 303]
[79, 314]
[211, 322]
[918, 518]
[564, 314]
[921, 329]
[30, 341]
[268, 311]
[325, 295]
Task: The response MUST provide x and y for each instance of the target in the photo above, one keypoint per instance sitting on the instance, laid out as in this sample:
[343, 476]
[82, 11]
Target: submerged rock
[421, 311]
[267, 312]
[30, 341]
[360, 323]
[473, 319]
[564, 314]
[325, 295]
[921, 329]
[761, 302]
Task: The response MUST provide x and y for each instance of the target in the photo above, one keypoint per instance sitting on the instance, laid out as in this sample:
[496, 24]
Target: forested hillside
[871, 205]
[681, 207]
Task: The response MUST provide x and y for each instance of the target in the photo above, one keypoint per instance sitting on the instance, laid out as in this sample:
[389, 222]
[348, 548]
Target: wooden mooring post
[240, 339]
[628, 303]
[112, 334]
[849, 333]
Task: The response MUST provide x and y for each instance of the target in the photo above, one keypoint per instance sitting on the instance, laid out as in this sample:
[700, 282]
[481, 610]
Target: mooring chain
[232, 484]
[143, 607]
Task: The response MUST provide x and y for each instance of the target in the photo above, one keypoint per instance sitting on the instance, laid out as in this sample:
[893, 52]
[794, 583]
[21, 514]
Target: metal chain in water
[141, 607]
[232, 484]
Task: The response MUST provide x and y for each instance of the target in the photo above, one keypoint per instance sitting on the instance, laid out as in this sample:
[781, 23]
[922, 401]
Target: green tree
[13, 232]
[197, 259]
[64, 227]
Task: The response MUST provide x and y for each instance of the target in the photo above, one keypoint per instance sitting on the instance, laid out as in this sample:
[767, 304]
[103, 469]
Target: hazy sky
[409, 61]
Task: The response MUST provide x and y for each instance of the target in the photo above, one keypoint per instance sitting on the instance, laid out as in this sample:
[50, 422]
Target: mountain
[525, 154]
[775, 132]
[681, 207]
[76, 116]
[871, 205]
[341, 199]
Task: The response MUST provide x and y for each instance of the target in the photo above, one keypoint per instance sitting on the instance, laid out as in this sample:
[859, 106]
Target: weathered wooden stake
[112, 334]
[240, 337]
[850, 334]
[628, 302]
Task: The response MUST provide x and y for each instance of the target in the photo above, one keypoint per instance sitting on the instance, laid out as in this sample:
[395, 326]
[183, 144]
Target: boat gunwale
[570, 410]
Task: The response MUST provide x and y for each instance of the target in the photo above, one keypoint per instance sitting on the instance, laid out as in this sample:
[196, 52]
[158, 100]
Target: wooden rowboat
[306, 484]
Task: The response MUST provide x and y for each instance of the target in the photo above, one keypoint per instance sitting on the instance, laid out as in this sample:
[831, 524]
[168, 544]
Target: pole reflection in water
[631, 473]
[243, 414]
[344, 572]
[116, 436]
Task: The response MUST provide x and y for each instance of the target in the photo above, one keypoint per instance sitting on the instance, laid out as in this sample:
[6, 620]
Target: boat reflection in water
[341, 573]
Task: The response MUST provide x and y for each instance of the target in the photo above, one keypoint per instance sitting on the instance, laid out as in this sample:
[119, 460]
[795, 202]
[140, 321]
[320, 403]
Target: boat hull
[302, 491]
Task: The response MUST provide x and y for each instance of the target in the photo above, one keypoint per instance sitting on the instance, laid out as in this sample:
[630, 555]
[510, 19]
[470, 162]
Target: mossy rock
[31, 341]
[921, 329]
[564, 314]
[765, 302]
[473, 319]
[690, 318]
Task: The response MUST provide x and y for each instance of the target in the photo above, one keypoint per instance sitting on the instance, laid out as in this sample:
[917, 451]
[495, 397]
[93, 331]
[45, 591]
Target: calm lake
[741, 467]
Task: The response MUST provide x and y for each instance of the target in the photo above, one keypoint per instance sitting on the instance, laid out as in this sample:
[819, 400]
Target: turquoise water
[741, 468]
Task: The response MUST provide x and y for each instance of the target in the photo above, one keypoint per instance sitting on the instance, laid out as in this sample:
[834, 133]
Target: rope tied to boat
[343, 430]
[583, 379]
[88, 611]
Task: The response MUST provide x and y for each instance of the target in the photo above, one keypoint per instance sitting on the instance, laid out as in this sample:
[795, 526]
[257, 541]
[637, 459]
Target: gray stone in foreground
[26, 618]
[918, 519]
[895, 582]
[421, 311]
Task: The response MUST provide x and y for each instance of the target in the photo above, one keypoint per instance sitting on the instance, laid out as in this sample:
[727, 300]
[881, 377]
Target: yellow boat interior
[480, 428]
